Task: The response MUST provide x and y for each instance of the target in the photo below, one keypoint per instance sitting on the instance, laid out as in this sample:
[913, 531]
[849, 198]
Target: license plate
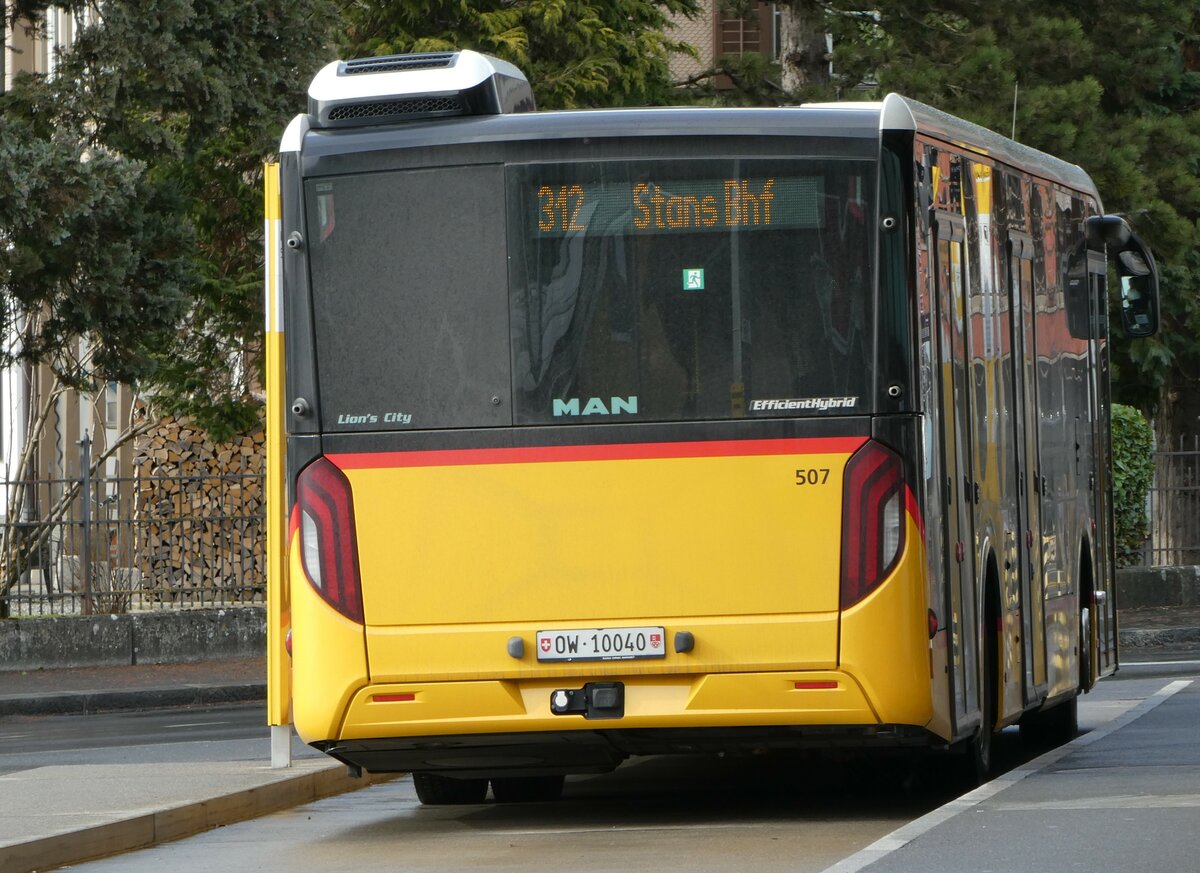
[601, 644]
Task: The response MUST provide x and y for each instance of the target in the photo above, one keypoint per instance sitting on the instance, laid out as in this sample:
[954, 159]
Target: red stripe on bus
[910, 504]
[617, 452]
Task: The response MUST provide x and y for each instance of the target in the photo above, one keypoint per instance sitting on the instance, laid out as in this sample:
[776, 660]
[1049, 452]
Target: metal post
[281, 746]
[279, 715]
[85, 474]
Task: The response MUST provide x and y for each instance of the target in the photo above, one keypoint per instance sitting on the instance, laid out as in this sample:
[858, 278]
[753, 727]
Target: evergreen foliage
[575, 53]
[185, 98]
[89, 250]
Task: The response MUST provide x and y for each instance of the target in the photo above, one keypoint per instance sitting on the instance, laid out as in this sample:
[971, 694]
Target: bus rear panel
[591, 431]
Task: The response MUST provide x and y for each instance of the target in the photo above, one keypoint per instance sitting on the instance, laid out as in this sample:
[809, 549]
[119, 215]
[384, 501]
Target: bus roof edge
[293, 136]
[896, 114]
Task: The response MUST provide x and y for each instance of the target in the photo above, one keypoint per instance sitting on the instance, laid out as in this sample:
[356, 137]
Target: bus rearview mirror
[1139, 289]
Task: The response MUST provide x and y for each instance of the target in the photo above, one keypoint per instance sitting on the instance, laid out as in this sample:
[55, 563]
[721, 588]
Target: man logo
[596, 406]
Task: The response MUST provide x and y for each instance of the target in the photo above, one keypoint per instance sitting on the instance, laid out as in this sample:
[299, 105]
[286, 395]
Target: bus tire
[977, 766]
[434, 789]
[527, 789]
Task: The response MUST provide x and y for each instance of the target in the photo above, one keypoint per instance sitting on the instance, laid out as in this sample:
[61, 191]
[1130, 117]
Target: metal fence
[1175, 506]
[145, 542]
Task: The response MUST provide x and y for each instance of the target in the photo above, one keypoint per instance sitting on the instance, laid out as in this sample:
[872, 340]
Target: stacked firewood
[200, 510]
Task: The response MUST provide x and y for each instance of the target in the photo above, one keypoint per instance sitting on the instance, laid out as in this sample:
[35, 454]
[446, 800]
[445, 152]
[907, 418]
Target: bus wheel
[434, 789]
[978, 764]
[527, 789]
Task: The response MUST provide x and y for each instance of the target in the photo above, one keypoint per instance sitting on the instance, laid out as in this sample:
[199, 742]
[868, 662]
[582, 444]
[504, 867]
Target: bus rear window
[410, 300]
[687, 290]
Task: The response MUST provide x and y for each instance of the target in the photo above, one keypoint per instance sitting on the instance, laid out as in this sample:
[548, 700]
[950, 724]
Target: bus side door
[951, 363]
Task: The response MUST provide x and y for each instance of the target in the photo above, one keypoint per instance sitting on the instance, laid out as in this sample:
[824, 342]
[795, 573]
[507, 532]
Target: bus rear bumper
[601, 750]
[512, 725]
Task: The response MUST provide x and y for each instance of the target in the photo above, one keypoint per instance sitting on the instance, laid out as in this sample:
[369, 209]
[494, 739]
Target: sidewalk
[150, 686]
[57, 815]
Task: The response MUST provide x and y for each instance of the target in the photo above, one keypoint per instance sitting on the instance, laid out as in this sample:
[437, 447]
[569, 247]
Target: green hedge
[1133, 471]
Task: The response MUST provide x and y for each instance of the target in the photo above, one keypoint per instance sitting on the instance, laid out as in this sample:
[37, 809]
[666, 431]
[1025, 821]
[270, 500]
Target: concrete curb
[1157, 669]
[185, 820]
[85, 702]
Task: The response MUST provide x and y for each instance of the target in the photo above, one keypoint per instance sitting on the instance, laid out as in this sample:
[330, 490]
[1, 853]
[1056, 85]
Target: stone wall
[1139, 587]
[118, 640]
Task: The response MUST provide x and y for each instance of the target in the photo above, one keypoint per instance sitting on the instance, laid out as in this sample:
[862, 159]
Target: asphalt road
[675, 814]
[661, 814]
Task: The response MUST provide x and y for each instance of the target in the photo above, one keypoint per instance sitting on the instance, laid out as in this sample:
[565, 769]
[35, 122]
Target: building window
[112, 405]
[753, 33]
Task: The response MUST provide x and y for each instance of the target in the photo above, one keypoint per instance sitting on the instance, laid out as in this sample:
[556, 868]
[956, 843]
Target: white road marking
[903, 836]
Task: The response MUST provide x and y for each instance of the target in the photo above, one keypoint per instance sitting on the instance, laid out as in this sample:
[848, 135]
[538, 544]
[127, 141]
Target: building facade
[716, 32]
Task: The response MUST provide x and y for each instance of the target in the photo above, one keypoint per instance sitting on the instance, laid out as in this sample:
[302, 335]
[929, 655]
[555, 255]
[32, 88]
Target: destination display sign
[648, 206]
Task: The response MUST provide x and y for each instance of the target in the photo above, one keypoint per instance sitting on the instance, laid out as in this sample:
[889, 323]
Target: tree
[130, 227]
[200, 90]
[93, 271]
[89, 253]
[576, 53]
[804, 51]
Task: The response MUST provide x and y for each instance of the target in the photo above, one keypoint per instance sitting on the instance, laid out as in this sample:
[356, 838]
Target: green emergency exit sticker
[693, 280]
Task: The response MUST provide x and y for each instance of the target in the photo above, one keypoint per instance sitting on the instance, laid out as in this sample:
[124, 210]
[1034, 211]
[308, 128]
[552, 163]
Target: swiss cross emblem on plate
[544, 642]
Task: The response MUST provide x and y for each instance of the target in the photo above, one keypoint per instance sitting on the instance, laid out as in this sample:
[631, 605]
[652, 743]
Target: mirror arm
[1108, 230]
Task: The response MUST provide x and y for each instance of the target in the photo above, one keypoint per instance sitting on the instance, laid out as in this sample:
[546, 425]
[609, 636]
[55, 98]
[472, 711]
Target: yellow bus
[627, 432]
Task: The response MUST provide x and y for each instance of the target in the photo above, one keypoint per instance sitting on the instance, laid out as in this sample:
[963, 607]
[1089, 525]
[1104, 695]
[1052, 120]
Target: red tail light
[872, 520]
[328, 546]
